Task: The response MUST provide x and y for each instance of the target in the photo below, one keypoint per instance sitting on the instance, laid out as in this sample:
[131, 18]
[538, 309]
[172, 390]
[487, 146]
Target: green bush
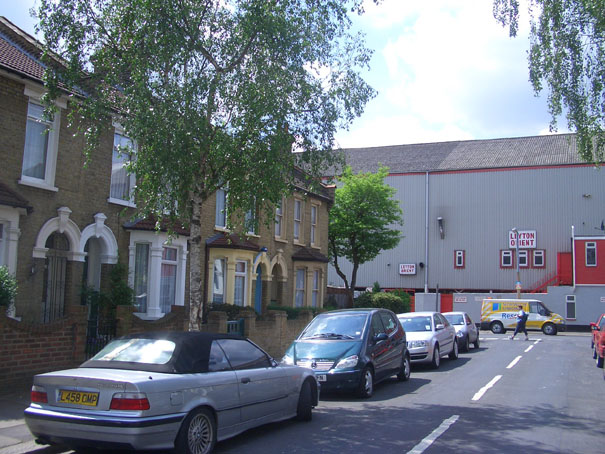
[293, 312]
[385, 300]
[8, 286]
[233, 311]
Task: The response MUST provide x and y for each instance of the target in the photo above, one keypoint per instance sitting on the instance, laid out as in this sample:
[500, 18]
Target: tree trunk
[196, 302]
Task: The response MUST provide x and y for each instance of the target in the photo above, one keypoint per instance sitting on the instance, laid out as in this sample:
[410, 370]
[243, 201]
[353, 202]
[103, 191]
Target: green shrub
[385, 300]
[376, 287]
[233, 311]
[8, 286]
[293, 312]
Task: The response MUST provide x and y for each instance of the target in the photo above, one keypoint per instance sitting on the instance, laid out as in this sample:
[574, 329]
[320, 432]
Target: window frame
[297, 227]
[590, 245]
[230, 346]
[300, 290]
[507, 252]
[538, 253]
[523, 254]
[279, 220]
[52, 144]
[252, 218]
[570, 299]
[119, 131]
[313, 221]
[173, 263]
[241, 275]
[146, 275]
[223, 260]
[315, 293]
[459, 259]
[222, 213]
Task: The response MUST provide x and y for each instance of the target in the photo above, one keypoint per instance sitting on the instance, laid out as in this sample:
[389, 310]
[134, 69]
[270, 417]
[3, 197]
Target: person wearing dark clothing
[521, 319]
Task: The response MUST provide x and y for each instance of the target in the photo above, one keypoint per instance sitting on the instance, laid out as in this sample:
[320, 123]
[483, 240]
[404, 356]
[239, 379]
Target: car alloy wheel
[454, 353]
[198, 433]
[366, 384]
[404, 373]
[436, 357]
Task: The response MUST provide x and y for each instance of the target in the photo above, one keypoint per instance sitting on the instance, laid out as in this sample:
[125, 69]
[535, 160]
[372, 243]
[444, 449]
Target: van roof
[511, 300]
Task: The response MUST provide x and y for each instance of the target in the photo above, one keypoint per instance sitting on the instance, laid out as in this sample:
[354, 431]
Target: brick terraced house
[64, 225]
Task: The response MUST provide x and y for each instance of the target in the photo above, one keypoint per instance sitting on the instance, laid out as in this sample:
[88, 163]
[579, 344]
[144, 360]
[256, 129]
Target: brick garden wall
[27, 349]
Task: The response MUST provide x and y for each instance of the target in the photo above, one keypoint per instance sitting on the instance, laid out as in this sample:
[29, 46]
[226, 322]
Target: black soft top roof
[191, 352]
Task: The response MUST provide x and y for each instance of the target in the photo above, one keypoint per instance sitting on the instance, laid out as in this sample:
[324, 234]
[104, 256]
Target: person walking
[521, 319]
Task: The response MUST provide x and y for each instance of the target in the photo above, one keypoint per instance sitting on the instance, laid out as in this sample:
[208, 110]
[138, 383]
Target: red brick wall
[27, 349]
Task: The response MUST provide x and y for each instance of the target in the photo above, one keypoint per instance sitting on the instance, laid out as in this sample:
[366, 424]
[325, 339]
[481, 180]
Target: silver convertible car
[164, 390]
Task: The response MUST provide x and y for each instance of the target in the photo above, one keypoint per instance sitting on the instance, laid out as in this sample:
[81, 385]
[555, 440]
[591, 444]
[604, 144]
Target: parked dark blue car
[352, 349]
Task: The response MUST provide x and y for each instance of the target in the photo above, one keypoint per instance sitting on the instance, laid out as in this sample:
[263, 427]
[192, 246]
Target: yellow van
[498, 315]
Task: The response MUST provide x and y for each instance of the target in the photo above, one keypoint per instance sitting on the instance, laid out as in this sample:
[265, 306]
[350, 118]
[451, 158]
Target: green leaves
[364, 220]
[211, 91]
[567, 55]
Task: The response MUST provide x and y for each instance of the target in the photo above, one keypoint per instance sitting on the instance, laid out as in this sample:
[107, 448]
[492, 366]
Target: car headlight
[288, 360]
[348, 362]
[416, 344]
[459, 334]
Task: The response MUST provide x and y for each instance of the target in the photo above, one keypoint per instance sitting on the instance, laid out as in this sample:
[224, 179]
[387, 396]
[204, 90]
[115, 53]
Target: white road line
[482, 391]
[529, 348]
[513, 362]
[428, 441]
[539, 340]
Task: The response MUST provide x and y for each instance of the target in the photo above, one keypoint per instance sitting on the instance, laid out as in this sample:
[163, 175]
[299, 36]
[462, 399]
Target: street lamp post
[518, 283]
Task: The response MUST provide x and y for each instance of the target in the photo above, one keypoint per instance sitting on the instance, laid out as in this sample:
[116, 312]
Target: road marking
[539, 340]
[529, 348]
[428, 441]
[513, 362]
[489, 338]
[482, 391]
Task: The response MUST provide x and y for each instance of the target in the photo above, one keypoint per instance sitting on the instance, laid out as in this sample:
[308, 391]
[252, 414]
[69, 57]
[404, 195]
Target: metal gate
[235, 327]
[98, 335]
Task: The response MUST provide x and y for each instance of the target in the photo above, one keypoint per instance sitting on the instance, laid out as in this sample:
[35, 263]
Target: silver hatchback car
[429, 336]
[164, 390]
[466, 330]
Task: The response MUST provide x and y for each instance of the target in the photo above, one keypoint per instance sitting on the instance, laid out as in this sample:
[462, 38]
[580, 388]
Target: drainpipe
[426, 233]
[573, 256]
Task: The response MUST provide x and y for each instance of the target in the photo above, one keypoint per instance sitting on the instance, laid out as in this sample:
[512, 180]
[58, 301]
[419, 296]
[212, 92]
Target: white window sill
[124, 203]
[38, 184]
[281, 240]
[218, 228]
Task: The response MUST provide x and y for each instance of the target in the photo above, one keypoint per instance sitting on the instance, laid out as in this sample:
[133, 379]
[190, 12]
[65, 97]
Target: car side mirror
[593, 326]
[273, 363]
[380, 337]
[440, 326]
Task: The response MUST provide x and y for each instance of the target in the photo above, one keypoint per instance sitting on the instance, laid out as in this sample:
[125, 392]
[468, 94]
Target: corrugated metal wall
[478, 210]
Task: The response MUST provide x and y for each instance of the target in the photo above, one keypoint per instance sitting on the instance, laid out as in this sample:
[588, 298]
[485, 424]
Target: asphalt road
[541, 396]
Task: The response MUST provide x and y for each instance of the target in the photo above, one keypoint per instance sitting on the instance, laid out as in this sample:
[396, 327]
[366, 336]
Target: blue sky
[444, 70]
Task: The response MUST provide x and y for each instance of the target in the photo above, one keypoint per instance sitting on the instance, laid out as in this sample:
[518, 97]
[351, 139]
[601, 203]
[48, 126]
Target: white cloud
[449, 69]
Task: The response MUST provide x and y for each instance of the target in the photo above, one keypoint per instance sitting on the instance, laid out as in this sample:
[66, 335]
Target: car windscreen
[145, 351]
[336, 326]
[455, 319]
[415, 324]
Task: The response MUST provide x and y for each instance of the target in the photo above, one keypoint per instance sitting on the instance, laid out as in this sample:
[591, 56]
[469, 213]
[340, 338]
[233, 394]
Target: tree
[567, 53]
[361, 221]
[214, 93]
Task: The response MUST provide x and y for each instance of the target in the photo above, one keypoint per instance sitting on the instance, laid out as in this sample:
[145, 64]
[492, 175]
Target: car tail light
[38, 395]
[129, 401]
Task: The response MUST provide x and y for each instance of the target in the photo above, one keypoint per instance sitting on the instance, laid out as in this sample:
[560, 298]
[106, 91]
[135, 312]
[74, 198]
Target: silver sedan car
[164, 390]
[429, 336]
[466, 330]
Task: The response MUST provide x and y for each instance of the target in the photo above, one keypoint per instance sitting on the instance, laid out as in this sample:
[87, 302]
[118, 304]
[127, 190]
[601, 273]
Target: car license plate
[321, 377]
[78, 397]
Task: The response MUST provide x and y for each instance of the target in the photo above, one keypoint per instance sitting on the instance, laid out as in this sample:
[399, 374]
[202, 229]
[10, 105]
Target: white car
[429, 336]
[466, 331]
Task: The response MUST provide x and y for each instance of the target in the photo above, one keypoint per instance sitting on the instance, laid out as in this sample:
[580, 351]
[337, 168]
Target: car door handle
[245, 380]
